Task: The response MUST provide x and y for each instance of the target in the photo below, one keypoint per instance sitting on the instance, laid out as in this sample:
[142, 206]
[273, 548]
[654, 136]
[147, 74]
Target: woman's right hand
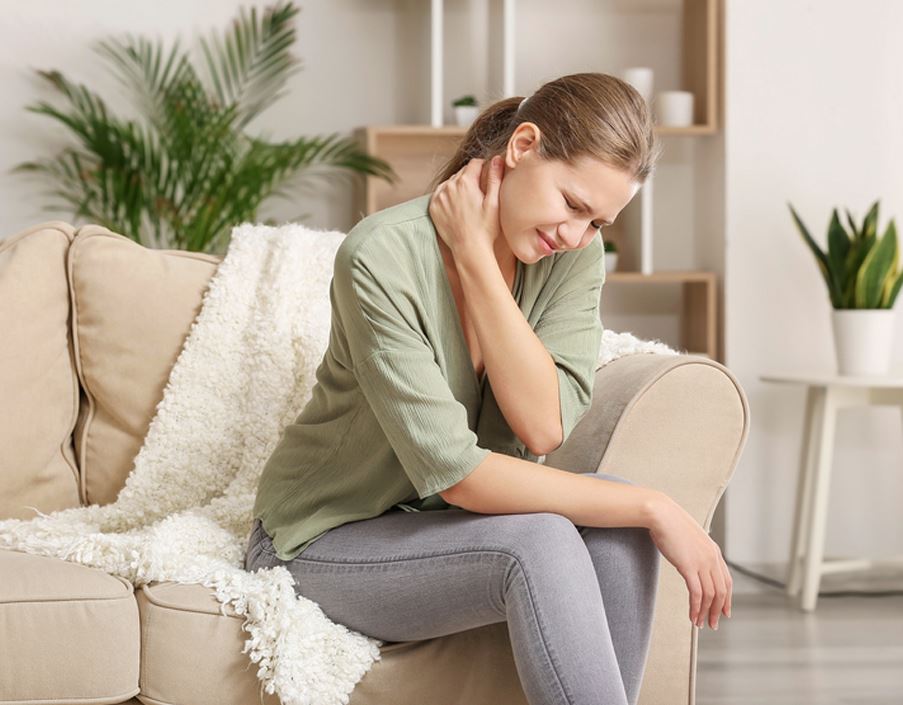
[688, 547]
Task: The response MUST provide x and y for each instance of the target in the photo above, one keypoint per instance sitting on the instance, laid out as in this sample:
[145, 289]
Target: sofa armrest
[676, 423]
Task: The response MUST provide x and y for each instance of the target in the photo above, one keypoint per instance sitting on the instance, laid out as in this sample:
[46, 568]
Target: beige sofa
[91, 325]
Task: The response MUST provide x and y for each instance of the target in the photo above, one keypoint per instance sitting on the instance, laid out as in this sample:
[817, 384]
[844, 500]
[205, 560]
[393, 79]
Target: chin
[534, 254]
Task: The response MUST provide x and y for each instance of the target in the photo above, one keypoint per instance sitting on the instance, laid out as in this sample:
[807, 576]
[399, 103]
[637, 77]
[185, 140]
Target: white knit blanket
[246, 370]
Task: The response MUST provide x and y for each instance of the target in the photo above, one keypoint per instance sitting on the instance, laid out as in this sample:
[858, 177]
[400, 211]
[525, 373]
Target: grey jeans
[578, 600]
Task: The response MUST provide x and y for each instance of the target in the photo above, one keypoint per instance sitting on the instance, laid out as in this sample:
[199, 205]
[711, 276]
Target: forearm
[523, 374]
[503, 484]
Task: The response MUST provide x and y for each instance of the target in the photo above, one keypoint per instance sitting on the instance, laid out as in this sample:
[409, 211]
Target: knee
[538, 534]
[632, 548]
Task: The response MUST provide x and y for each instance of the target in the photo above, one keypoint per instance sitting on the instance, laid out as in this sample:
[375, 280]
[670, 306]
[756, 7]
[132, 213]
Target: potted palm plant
[187, 170]
[861, 273]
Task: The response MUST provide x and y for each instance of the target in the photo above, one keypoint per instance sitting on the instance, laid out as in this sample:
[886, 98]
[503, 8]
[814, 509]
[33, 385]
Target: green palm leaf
[251, 64]
[186, 172]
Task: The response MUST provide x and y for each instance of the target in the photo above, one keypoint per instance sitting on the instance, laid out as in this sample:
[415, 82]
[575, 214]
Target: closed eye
[575, 208]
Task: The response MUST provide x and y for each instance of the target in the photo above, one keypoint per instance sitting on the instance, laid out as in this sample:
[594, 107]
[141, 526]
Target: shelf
[662, 277]
[699, 309]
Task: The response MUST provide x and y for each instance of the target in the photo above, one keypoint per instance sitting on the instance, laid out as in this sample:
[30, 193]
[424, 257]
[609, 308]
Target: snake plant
[859, 269]
[188, 170]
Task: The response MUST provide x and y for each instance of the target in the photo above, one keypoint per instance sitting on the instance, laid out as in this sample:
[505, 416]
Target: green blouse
[397, 413]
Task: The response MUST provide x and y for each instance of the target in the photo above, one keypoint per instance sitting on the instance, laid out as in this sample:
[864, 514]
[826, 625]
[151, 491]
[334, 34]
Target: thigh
[406, 576]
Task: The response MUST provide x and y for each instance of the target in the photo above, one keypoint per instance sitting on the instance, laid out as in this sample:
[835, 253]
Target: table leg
[820, 494]
[808, 455]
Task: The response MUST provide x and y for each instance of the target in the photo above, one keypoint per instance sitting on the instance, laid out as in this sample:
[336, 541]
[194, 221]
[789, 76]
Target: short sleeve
[570, 327]
[397, 371]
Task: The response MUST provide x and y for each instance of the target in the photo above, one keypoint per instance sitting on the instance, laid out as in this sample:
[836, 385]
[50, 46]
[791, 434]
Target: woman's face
[545, 200]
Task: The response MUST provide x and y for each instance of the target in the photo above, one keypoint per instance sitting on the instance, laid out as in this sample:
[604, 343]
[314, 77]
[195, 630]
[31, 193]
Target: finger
[474, 165]
[708, 593]
[729, 582]
[718, 602]
[695, 596]
[495, 179]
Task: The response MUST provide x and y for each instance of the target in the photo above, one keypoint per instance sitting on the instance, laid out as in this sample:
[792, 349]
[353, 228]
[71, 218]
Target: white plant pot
[611, 261]
[862, 340]
[466, 114]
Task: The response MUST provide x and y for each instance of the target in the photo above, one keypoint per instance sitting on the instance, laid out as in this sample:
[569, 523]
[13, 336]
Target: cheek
[519, 215]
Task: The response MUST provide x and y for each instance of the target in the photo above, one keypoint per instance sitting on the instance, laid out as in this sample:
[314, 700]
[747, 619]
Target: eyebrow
[588, 209]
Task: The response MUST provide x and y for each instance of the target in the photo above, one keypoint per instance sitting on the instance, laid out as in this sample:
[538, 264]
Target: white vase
[862, 340]
[611, 261]
[674, 108]
[466, 114]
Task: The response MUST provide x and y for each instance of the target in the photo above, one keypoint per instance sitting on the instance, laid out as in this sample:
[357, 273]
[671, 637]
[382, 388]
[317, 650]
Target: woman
[465, 331]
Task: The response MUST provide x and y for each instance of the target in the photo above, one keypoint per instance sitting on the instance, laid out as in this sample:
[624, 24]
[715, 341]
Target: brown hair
[581, 114]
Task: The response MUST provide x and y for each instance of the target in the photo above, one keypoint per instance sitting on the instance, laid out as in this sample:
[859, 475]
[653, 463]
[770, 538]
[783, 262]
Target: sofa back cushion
[132, 308]
[39, 401]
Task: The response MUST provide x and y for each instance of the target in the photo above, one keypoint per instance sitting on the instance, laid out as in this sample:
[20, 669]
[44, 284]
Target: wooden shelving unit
[417, 152]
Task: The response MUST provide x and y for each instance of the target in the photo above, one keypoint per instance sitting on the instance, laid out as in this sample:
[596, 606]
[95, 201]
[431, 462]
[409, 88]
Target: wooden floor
[849, 651]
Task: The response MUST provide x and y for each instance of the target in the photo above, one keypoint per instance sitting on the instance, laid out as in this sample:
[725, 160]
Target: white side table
[825, 394]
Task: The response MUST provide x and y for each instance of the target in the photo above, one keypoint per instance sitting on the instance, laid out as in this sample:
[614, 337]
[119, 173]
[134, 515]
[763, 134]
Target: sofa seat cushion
[68, 633]
[37, 376]
[132, 308]
[191, 653]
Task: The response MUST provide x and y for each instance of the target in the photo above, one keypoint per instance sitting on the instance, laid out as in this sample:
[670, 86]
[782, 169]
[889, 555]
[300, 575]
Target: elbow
[457, 496]
[462, 493]
[448, 494]
[545, 440]
[451, 495]
[545, 446]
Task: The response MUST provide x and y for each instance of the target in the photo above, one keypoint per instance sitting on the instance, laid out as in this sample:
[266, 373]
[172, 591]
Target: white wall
[814, 102]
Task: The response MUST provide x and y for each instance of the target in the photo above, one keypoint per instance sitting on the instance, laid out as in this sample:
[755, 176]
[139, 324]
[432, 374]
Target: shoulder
[389, 241]
[387, 261]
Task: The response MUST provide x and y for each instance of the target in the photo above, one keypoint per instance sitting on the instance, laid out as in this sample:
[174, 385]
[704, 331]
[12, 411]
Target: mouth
[547, 244]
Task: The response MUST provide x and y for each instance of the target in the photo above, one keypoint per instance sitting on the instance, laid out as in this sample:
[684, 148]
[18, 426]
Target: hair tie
[521, 103]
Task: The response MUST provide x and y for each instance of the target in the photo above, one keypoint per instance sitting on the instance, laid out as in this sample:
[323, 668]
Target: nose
[572, 233]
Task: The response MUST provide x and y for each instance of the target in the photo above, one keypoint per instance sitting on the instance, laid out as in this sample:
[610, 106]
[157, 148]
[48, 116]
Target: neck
[503, 254]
